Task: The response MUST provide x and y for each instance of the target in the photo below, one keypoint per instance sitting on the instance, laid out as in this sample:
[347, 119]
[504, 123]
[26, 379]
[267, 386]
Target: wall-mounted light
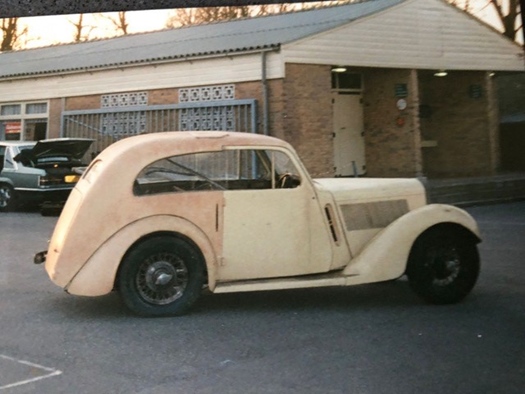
[338, 69]
[491, 74]
[441, 73]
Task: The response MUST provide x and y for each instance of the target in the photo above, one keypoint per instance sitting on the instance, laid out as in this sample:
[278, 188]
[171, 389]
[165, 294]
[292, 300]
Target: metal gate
[108, 125]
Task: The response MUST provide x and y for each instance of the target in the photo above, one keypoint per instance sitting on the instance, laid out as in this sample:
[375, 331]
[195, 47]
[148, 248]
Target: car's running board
[324, 280]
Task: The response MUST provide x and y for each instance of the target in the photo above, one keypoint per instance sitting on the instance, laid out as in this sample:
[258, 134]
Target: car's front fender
[97, 276]
[385, 256]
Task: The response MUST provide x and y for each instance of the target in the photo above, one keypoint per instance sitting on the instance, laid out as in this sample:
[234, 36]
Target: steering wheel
[285, 181]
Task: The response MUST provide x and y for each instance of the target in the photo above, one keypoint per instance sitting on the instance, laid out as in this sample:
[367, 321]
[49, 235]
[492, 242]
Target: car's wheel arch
[449, 227]
[5, 182]
[99, 274]
[386, 256]
[160, 234]
[457, 230]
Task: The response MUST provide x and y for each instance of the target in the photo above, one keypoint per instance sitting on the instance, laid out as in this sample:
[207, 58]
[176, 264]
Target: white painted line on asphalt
[52, 372]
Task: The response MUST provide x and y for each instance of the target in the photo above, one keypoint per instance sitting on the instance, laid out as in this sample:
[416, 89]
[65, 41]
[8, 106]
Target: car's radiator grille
[372, 215]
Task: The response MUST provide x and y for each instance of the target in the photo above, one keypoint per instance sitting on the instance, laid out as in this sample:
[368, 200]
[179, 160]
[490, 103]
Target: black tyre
[6, 197]
[161, 276]
[443, 266]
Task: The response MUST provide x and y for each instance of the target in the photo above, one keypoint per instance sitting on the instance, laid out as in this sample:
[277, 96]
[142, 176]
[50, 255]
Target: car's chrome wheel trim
[162, 278]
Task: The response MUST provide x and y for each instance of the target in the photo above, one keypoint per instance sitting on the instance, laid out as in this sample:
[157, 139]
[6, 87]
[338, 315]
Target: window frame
[24, 117]
[266, 158]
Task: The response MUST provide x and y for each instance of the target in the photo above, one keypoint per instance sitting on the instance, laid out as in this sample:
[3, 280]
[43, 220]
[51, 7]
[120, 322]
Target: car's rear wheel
[443, 266]
[6, 197]
[161, 276]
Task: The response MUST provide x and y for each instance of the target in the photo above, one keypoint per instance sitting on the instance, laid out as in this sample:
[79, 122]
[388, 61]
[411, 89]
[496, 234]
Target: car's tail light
[71, 178]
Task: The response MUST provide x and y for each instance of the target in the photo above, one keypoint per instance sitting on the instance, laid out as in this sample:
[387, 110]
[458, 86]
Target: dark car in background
[42, 172]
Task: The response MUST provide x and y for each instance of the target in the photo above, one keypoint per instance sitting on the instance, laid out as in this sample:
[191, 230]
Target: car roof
[190, 141]
[144, 148]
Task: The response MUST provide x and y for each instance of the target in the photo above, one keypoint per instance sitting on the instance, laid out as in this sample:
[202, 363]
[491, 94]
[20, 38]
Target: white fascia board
[175, 74]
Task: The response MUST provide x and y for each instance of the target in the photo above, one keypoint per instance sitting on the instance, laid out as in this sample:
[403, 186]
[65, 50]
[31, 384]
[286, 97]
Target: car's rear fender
[385, 256]
[97, 276]
[7, 181]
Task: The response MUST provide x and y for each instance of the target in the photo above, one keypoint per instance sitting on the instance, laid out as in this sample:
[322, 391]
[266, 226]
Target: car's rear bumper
[43, 195]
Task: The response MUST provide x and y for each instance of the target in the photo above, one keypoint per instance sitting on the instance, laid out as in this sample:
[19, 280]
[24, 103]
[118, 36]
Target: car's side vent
[379, 214]
[329, 211]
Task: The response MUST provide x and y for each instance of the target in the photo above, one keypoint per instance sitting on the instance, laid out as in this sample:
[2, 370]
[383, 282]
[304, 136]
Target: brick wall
[307, 116]
[461, 113]
[254, 90]
[391, 135]
[300, 112]
[53, 123]
[82, 102]
[244, 90]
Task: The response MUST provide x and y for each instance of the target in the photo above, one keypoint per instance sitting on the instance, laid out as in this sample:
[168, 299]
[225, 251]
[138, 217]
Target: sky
[56, 29]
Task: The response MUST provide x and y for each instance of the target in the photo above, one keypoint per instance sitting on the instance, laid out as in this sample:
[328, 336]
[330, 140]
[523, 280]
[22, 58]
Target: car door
[275, 231]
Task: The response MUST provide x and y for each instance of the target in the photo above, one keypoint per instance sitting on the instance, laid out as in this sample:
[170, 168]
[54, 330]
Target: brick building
[511, 98]
[379, 88]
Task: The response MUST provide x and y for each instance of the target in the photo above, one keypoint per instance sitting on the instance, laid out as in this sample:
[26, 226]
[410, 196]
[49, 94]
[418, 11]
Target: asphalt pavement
[368, 339]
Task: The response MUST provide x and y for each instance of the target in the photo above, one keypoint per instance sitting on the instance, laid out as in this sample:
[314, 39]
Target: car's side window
[229, 169]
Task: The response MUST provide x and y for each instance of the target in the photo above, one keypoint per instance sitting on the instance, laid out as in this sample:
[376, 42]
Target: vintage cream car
[161, 216]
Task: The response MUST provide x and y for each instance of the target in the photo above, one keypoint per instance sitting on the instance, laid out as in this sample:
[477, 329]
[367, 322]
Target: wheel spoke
[162, 278]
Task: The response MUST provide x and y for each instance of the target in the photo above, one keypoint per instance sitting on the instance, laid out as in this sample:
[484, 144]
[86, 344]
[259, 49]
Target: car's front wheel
[6, 197]
[443, 266]
[161, 276]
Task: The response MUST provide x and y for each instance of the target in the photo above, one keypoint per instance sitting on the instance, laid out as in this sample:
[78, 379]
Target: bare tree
[80, 26]
[281, 8]
[182, 17]
[507, 11]
[195, 16]
[509, 18]
[463, 4]
[11, 34]
[120, 22]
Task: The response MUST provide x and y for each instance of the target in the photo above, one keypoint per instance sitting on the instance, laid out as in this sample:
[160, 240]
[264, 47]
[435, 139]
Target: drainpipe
[266, 103]
[62, 109]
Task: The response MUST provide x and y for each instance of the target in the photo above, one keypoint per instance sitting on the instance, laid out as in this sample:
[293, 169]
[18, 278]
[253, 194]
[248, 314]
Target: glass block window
[124, 100]
[207, 93]
[123, 124]
[207, 119]
[11, 109]
[36, 108]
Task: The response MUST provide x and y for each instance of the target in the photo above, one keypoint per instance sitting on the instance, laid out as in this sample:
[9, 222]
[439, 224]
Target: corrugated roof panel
[233, 36]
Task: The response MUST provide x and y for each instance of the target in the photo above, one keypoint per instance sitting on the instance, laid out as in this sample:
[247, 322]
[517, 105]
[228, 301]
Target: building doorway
[348, 121]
